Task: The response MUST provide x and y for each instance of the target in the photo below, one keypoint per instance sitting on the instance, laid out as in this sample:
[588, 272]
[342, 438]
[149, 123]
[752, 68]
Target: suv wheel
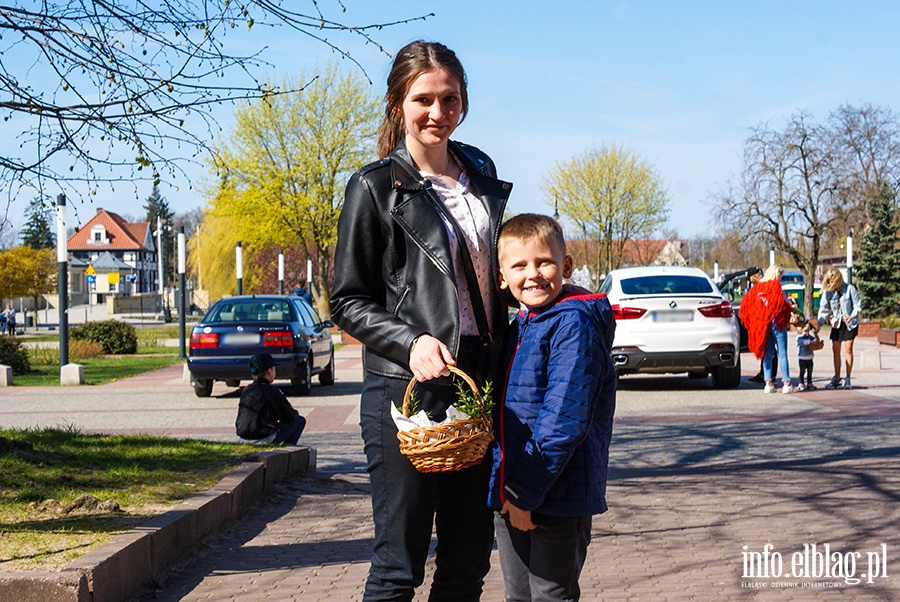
[725, 377]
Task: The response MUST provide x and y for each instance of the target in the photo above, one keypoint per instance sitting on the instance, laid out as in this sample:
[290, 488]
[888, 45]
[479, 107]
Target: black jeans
[806, 368]
[407, 504]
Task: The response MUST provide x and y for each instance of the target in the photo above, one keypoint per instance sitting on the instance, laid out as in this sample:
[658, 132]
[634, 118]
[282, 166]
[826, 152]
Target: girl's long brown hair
[414, 59]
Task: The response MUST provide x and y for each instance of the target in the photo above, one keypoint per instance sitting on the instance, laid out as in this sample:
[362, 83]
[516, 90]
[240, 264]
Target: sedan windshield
[663, 284]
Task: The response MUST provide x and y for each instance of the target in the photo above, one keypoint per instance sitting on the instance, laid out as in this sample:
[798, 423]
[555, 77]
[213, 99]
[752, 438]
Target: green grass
[99, 370]
[46, 469]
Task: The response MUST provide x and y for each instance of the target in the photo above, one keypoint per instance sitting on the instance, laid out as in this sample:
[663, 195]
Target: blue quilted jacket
[555, 420]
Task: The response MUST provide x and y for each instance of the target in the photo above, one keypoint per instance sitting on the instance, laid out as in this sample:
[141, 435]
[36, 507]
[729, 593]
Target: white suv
[673, 320]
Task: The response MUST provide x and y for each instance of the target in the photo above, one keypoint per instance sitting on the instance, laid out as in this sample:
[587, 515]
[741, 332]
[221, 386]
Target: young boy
[805, 353]
[555, 421]
[264, 413]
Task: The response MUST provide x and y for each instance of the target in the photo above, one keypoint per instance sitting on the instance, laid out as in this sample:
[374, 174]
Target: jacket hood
[593, 306]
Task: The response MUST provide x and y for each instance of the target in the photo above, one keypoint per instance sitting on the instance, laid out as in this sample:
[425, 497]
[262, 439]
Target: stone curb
[117, 569]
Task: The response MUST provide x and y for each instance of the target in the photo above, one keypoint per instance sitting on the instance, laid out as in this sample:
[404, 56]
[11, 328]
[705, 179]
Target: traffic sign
[91, 279]
[90, 270]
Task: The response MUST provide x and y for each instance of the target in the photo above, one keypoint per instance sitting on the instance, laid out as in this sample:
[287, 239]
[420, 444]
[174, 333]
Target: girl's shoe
[769, 389]
[811, 387]
[834, 384]
[801, 387]
[847, 384]
[787, 389]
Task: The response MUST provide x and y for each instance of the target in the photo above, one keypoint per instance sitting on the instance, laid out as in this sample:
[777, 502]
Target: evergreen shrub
[114, 336]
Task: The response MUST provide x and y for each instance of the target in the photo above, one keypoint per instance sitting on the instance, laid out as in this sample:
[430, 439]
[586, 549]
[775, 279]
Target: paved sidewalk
[695, 491]
[696, 475]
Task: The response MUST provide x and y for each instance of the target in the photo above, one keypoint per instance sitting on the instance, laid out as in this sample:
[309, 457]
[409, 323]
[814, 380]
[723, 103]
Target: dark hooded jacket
[555, 421]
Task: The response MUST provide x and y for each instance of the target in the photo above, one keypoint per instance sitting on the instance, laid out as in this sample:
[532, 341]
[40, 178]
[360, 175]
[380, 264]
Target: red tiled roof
[122, 235]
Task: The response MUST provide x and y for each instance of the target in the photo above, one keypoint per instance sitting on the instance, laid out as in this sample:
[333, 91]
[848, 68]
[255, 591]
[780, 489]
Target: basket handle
[454, 370]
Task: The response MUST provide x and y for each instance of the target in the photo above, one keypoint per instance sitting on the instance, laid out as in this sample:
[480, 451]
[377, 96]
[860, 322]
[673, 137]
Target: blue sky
[678, 83]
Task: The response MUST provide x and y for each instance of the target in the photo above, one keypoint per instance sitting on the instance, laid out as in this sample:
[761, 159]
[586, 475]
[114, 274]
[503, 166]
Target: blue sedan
[236, 328]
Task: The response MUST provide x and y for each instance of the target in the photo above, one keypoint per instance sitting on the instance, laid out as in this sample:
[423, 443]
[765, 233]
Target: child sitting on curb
[264, 414]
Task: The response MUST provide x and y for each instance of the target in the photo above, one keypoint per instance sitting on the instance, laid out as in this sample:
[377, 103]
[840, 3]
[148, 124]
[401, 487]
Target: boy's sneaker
[811, 387]
[835, 383]
[801, 387]
[769, 389]
[757, 379]
[787, 389]
[847, 384]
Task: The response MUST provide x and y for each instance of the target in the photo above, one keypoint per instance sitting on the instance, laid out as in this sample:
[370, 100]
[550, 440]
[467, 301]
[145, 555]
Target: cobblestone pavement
[700, 482]
[696, 492]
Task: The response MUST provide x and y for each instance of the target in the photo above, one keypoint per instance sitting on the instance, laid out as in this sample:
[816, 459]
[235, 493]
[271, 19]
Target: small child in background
[264, 414]
[805, 339]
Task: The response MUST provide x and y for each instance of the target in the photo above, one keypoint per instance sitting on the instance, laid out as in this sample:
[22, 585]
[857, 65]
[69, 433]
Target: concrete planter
[889, 336]
[869, 328]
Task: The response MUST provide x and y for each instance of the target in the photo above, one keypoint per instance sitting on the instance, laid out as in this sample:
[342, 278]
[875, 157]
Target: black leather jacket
[393, 273]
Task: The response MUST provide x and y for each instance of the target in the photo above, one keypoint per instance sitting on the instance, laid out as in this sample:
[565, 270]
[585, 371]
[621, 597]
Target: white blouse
[474, 222]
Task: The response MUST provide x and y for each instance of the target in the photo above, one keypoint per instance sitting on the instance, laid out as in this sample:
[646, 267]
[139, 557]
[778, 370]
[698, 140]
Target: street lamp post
[181, 304]
[239, 267]
[62, 259]
[159, 260]
[281, 272]
[850, 257]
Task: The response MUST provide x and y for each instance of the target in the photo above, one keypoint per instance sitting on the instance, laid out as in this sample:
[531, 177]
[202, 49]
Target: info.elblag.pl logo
[815, 561]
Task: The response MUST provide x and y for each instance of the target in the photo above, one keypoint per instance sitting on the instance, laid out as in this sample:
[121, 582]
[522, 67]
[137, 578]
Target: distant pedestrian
[303, 292]
[766, 313]
[10, 315]
[753, 276]
[807, 336]
[840, 307]
[264, 413]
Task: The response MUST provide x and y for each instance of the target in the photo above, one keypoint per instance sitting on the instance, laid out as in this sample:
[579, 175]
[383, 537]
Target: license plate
[673, 316]
[241, 338]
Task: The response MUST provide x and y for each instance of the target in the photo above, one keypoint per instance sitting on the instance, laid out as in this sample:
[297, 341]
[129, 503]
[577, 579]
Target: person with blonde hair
[840, 307]
[766, 314]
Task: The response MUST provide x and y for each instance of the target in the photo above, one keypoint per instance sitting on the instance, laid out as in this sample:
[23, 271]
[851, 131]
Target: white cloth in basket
[420, 419]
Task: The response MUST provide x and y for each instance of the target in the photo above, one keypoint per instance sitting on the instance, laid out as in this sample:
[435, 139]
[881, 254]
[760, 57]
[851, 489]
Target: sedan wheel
[303, 385]
[326, 376]
[203, 388]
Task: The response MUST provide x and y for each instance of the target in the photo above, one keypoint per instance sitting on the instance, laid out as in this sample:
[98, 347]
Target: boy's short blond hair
[528, 227]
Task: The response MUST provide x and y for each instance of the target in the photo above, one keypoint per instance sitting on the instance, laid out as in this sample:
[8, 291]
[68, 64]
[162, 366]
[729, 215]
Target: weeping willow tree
[285, 165]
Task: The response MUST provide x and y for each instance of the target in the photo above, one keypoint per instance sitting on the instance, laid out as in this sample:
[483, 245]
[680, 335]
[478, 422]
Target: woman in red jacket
[766, 314]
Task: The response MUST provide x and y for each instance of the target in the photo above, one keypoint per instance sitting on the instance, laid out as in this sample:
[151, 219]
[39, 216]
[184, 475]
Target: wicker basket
[449, 446]
[817, 345]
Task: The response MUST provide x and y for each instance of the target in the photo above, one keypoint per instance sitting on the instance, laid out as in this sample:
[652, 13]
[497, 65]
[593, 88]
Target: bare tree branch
[100, 92]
